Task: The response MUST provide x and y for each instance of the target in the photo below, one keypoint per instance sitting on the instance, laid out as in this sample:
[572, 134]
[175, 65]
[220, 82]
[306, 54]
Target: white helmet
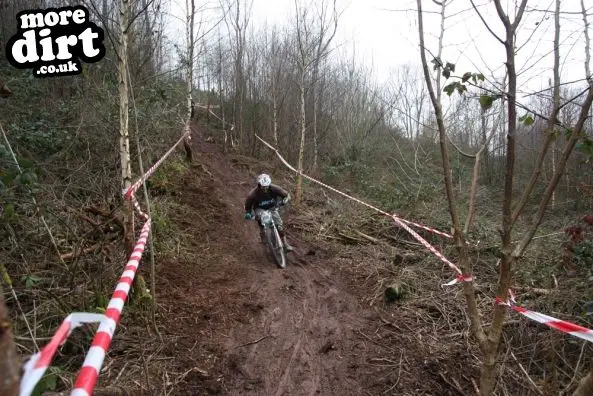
[264, 180]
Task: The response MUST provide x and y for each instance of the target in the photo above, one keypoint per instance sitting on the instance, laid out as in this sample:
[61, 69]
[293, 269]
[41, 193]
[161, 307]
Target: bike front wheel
[275, 246]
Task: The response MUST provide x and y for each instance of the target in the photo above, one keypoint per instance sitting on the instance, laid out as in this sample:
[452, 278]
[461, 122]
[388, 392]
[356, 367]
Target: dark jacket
[265, 200]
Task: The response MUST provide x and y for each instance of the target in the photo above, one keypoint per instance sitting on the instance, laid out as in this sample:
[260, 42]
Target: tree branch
[468, 287]
[568, 148]
[550, 124]
[587, 44]
[485, 24]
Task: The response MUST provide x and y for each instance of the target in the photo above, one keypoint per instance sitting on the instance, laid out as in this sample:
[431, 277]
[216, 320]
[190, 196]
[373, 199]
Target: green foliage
[583, 254]
[30, 281]
[370, 184]
[449, 89]
[160, 181]
[526, 119]
[486, 101]
[473, 76]
[48, 382]
[160, 222]
[39, 136]
[101, 301]
[461, 87]
[448, 68]
[586, 147]
[13, 183]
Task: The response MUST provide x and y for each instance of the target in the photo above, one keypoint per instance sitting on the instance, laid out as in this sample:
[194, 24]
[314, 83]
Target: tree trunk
[105, 15]
[299, 187]
[315, 106]
[124, 139]
[275, 115]
[459, 240]
[585, 387]
[9, 364]
[488, 372]
[190, 77]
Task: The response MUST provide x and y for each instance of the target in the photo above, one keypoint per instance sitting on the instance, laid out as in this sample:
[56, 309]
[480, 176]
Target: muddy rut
[244, 327]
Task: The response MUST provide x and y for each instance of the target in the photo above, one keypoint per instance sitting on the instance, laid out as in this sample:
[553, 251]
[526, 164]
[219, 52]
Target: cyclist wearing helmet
[265, 196]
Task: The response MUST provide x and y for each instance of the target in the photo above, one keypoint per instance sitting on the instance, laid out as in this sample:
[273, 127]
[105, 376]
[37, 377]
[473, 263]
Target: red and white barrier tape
[558, 324]
[87, 378]
[461, 277]
[136, 185]
[39, 362]
[137, 207]
[351, 197]
[399, 221]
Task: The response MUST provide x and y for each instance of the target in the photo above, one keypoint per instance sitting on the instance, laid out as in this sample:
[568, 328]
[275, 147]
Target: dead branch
[253, 342]
[74, 254]
[92, 222]
[368, 237]
[537, 389]
[350, 237]
[110, 216]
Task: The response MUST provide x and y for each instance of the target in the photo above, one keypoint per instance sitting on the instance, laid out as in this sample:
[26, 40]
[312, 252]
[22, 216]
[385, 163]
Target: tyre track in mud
[292, 331]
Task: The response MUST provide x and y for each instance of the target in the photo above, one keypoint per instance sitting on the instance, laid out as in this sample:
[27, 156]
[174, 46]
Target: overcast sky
[384, 34]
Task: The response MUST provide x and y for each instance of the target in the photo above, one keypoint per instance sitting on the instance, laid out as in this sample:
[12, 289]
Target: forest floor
[231, 323]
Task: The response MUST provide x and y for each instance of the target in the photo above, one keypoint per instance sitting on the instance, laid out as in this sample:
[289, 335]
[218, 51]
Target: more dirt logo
[53, 41]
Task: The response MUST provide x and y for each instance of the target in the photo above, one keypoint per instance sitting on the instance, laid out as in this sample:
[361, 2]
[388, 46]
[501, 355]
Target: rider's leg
[280, 225]
[262, 235]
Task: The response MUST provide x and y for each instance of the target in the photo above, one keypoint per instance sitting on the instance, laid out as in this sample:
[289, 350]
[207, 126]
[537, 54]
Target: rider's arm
[250, 201]
[279, 191]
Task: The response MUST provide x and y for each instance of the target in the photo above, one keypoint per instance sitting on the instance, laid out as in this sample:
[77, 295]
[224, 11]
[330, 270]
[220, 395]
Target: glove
[248, 216]
[285, 200]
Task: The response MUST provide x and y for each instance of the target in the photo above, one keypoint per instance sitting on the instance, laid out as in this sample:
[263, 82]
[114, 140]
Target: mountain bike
[273, 242]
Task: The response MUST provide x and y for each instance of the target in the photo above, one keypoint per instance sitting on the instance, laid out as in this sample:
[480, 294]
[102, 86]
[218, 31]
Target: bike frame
[267, 221]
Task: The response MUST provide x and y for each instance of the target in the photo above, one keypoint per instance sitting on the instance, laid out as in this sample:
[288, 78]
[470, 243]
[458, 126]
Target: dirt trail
[242, 326]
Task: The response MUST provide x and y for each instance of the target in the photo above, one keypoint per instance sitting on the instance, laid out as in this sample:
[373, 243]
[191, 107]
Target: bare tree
[312, 47]
[191, 11]
[585, 386]
[124, 138]
[489, 342]
[277, 55]
[239, 21]
[459, 238]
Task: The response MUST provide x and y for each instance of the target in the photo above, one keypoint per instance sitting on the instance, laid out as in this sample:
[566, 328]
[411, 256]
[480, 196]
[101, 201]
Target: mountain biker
[265, 196]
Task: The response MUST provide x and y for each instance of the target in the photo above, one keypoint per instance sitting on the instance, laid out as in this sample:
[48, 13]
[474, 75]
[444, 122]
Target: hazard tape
[89, 374]
[137, 207]
[558, 324]
[215, 115]
[562, 325]
[461, 277]
[399, 221]
[136, 185]
[87, 378]
[39, 362]
[351, 197]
